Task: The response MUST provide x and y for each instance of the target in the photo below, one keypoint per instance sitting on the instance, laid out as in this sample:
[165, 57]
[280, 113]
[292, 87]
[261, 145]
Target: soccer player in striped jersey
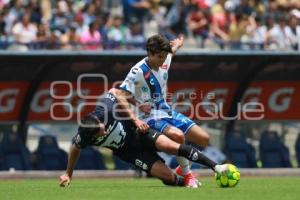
[146, 87]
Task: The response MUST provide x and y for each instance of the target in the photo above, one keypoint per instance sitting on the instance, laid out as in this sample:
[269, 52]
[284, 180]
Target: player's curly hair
[158, 43]
[89, 126]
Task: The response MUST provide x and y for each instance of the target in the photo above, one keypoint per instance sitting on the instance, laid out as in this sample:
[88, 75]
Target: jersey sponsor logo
[147, 75]
[195, 156]
[141, 164]
[164, 66]
[152, 81]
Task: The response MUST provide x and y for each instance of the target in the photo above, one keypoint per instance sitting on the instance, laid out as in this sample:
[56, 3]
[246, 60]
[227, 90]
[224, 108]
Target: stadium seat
[239, 151]
[121, 165]
[49, 156]
[297, 149]
[89, 159]
[273, 153]
[14, 153]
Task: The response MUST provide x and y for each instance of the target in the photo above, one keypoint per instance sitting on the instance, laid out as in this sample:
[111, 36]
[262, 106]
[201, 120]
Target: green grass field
[270, 188]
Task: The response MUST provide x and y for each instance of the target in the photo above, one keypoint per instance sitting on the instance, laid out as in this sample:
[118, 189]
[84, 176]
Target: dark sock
[179, 181]
[195, 155]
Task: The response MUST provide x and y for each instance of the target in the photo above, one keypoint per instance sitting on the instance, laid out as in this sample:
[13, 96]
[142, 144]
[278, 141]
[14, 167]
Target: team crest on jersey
[144, 89]
[165, 76]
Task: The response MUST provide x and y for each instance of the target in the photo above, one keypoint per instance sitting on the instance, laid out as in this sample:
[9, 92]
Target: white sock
[184, 164]
[221, 168]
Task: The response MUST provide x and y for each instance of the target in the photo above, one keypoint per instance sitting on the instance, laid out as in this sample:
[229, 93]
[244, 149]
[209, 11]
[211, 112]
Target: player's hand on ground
[146, 108]
[142, 127]
[64, 180]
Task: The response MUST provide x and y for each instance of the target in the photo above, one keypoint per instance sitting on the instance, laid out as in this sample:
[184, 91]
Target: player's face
[102, 131]
[158, 59]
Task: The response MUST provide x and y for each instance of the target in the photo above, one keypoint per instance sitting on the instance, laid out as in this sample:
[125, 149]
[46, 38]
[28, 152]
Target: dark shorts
[140, 151]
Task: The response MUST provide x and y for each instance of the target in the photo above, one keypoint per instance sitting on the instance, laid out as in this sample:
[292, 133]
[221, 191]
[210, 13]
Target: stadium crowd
[115, 24]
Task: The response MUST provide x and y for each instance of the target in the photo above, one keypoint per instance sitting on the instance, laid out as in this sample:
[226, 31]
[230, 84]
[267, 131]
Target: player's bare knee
[205, 140]
[165, 144]
[179, 138]
[175, 135]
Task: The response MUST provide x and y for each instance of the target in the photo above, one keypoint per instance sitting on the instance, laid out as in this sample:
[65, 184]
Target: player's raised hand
[64, 180]
[177, 43]
[142, 127]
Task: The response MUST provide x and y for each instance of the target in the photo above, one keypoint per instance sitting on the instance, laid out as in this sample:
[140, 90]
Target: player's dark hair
[157, 44]
[89, 126]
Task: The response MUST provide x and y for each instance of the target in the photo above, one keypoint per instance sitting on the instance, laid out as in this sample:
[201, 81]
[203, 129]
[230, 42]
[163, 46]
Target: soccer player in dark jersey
[106, 127]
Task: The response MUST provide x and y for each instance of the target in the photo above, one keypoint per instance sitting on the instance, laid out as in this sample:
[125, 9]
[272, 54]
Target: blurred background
[235, 52]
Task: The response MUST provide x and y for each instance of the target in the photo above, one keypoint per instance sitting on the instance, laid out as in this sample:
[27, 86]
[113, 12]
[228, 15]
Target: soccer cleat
[221, 169]
[189, 179]
[178, 171]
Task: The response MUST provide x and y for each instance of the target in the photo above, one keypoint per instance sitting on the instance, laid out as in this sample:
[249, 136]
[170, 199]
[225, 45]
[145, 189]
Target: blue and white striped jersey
[149, 86]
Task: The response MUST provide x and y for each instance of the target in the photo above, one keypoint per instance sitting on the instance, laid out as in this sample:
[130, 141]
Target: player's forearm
[73, 157]
[123, 101]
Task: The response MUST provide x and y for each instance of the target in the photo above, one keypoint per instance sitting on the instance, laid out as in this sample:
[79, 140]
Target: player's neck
[152, 65]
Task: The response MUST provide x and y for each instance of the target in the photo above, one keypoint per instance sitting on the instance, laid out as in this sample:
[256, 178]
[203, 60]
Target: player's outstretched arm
[124, 98]
[65, 179]
[176, 44]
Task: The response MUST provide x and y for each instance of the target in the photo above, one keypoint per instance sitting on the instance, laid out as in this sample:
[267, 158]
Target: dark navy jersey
[118, 131]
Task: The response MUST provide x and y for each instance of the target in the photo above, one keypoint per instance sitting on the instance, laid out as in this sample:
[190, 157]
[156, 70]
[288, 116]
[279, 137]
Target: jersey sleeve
[132, 80]
[167, 62]
[80, 142]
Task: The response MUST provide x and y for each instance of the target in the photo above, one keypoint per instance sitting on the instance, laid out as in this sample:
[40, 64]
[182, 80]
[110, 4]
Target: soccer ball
[230, 178]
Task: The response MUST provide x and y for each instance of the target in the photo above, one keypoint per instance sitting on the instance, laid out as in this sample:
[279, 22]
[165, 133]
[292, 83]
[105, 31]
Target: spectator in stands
[255, 33]
[293, 32]
[135, 9]
[42, 35]
[91, 38]
[70, 40]
[89, 14]
[33, 7]
[221, 20]
[101, 20]
[79, 23]
[117, 33]
[176, 18]
[237, 31]
[2, 26]
[135, 38]
[61, 19]
[15, 10]
[276, 36]
[24, 32]
[198, 24]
